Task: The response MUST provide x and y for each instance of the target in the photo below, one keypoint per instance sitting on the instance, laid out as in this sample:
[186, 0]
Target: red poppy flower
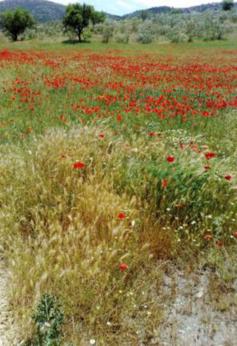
[63, 118]
[101, 136]
[235, 234]
[170, 158]
[210, 155]
[164, 183]
[123, 267]
[152, 134]
[228, 177]
[79, 165]
[121, 216]
[119, 118]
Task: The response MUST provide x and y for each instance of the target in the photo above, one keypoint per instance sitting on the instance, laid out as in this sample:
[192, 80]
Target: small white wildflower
[45, 326]
[193, 222]
[133, 223]
[168, 209]
[92, 341]
[109, 323]
[135, 150]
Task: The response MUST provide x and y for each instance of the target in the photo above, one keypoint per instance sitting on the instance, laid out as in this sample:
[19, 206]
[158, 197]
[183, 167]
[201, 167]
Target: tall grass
[86, 217]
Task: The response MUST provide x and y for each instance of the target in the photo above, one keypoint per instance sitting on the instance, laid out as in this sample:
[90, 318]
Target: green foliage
[144, 15]
[213, 29]
[190, 30]
[107, 33]
[121, 38]
[145, 33]
[176, 27]
[48, 319]
[176, 36]
[14, 23]
[97, 17]
[227, 5]
[78, 17]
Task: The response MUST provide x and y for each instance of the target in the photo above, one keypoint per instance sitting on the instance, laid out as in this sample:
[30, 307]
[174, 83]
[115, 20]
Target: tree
[190, 29]
[143, 15]
[78, 17]
[146, 32]
[14, 23]
[97, 18]
[107, 32]
[227, 5]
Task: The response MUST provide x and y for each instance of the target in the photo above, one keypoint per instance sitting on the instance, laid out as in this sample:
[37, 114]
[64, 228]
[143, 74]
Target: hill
[165, 9]
[45, 11]
[42, 10]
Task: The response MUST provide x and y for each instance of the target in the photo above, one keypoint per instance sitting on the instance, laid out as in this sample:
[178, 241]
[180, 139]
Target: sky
[120, 7]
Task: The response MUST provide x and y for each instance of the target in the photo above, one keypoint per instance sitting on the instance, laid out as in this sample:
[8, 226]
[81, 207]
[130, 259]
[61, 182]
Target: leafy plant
[48, 319]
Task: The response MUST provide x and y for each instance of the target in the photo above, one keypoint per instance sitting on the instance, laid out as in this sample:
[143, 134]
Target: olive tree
[78, 17]
[227, 5]
[14, 23]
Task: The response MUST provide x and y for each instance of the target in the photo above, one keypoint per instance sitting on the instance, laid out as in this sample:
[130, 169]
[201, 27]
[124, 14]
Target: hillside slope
[42, 10]
[165, 9]
[45, 11]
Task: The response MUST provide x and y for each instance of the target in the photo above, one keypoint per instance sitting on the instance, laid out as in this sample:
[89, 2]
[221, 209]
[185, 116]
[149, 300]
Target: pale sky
[126, 6]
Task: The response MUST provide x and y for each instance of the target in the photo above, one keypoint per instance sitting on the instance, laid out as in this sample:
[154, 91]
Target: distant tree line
[174, 26]
[81, 21]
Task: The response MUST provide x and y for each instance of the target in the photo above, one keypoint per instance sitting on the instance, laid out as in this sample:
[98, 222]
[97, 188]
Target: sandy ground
[7, 333]
[195, 318]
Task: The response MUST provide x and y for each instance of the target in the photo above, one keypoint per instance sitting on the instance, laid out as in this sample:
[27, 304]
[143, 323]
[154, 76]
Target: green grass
[131, 48]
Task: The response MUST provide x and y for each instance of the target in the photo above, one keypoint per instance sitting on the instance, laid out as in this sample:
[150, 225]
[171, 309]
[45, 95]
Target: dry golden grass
[66, 231]
[64, 237]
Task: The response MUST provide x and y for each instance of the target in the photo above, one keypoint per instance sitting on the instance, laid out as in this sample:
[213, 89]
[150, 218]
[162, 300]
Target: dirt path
[6, 325]
[196, 316]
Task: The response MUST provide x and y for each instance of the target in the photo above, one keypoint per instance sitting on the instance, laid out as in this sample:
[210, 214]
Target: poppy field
[113, 163]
